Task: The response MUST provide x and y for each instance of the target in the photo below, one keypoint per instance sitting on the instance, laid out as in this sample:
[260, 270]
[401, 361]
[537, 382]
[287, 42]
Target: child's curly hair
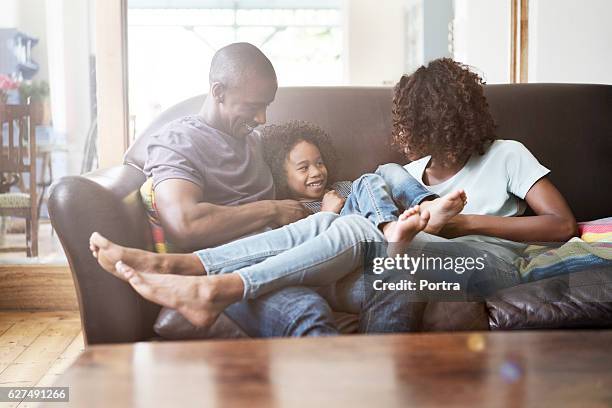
[440, 110]
[279, 140]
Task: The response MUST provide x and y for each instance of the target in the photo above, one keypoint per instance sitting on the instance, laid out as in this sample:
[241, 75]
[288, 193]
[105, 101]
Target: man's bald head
[237, 62]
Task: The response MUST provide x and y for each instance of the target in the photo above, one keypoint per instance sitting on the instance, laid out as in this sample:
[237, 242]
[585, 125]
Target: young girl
[303, 163]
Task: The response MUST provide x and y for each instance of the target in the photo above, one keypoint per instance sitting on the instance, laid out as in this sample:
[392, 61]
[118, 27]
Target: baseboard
[37, 287]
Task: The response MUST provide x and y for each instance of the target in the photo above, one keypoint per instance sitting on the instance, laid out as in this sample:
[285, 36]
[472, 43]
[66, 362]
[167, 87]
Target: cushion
[578, 300]
[147, 196]
[14, 200]
[171, 325]
[596, 231]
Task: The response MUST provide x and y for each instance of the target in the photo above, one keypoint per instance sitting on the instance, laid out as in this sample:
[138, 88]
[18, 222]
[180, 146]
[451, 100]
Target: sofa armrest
[106, 201]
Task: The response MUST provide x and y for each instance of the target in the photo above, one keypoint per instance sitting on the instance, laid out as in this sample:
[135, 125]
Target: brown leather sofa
[568, 127]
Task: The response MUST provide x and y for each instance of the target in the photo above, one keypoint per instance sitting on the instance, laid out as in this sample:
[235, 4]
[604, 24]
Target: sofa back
[566, 126]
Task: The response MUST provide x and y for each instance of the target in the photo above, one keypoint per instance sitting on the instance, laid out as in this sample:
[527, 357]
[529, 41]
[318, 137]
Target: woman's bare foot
[108, 254]
[442, 209]
[201, 299]
[410, 222]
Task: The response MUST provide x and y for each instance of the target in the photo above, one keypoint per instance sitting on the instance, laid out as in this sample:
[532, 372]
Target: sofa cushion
[171, 325]
[582, 299]
[596, 231]
[455, 316]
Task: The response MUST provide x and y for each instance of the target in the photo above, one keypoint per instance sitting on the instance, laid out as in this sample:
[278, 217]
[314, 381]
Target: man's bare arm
[553, 222]
[193, 224]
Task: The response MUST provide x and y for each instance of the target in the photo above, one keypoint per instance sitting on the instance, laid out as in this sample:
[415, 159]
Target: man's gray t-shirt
[229, 170]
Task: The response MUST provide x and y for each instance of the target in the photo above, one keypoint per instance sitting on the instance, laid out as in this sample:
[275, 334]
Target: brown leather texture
[171, 325]
[566, 126]
[106, 201]
[579, 300]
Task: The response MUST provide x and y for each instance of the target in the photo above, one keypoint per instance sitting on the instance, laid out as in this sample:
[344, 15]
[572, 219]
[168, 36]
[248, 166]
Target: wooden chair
[17, 158]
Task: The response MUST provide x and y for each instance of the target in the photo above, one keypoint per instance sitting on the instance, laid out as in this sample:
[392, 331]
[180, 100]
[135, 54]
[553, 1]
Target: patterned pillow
[596, 231]
[147, 194]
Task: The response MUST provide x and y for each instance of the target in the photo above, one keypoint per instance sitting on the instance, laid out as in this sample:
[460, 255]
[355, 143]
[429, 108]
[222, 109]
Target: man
[207, 174]
[211, 185]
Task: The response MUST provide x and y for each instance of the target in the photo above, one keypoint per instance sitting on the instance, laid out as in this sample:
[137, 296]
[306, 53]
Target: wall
[69, 49]
[374, 42]
[570, 41]
[112, 85]
[482, 37]
[426, 34]
[9, 16]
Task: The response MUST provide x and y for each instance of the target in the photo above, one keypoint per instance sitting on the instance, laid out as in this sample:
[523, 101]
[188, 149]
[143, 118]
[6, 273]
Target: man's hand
[332, 201]
[288, 211]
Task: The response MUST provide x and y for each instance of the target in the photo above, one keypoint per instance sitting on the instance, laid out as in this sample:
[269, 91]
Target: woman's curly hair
[440, 110]
[279, 140]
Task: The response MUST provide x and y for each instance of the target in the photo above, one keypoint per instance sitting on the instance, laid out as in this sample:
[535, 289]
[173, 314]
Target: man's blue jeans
[288, 312]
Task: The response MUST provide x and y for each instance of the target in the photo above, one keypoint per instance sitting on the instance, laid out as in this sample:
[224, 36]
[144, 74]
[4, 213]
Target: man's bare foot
[108, 254]
[442, 209]
[201, 299]
[410, 222]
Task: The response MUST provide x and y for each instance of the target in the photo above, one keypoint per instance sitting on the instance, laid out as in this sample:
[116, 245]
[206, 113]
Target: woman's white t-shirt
[496, 183]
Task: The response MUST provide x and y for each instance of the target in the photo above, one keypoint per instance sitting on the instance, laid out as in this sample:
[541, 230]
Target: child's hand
[332, 201]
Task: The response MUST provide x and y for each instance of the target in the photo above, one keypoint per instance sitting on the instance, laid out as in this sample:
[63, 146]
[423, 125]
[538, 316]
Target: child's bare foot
[410, 222]
[108, 254]
[201, 299]
[442, 209]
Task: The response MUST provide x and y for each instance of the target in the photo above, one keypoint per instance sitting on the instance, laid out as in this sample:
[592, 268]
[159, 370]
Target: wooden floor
[36, 347]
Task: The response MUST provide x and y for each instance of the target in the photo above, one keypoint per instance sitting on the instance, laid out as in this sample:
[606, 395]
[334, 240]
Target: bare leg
[201, 299]
[442, 209]
[108, 254]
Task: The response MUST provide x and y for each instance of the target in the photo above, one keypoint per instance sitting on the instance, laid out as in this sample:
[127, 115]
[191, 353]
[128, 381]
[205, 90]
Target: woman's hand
[332, 201]
[553, 220]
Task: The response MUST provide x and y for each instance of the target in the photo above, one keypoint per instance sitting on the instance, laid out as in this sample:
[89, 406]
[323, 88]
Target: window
[170, 49]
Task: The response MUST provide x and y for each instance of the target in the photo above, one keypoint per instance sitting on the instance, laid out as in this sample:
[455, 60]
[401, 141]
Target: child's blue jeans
[382, 196]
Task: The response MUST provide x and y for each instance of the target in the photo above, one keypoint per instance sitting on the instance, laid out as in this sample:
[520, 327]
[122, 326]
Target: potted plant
[36, 92]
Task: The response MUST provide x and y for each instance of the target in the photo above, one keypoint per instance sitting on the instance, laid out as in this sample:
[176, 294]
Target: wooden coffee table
[537, 368]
